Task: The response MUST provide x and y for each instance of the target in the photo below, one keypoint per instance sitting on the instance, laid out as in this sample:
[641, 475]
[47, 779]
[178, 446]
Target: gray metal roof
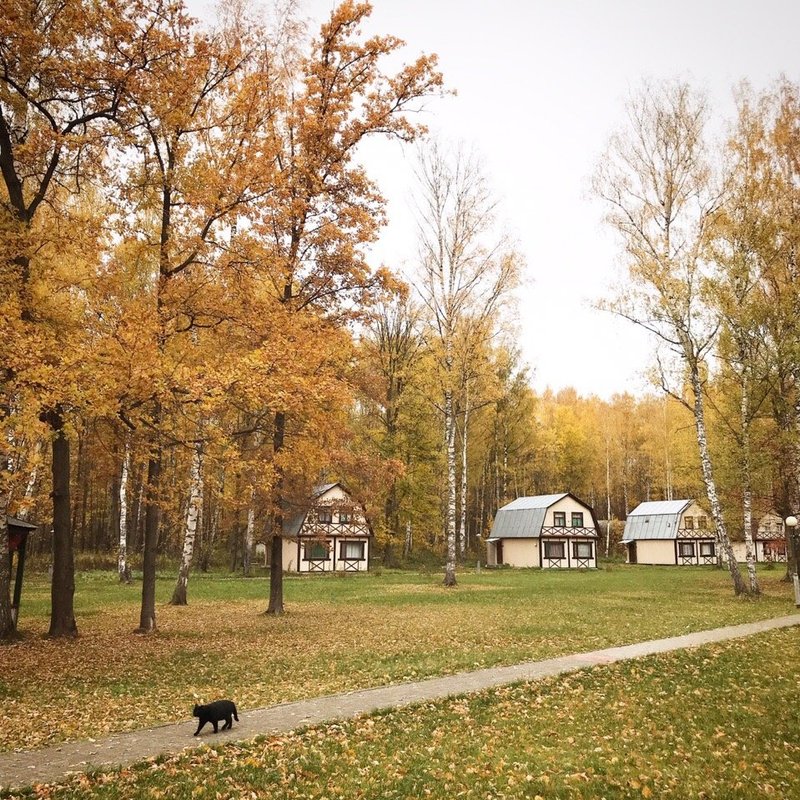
[523, 518]
[660, 507]
[655, 520]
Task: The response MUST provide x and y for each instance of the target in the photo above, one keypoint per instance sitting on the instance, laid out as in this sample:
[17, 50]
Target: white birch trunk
[450, 521]
[29, 487]
[667, 463]
[463, 541]
[409, 542]
[711, 487]
[122, 556]
[193, 511]
[747, 493]
[248, 536]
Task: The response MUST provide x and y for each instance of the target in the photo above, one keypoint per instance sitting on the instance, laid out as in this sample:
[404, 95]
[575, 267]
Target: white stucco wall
[290, 555]
[696, 511]
[521, 552]
[660, 551]
[293, 563]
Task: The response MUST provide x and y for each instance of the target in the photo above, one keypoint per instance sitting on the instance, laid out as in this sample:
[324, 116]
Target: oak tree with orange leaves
[64, 70]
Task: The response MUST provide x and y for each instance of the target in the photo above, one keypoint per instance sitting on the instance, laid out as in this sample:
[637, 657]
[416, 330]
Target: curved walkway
[53, 763]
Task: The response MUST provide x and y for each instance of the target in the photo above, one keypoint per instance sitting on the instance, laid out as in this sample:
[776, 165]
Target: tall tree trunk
[152, 520]
[408, 544]
[739, 586]
[463, 538]
[122, 553]
[450, 513]
[7, 627]
[62, 593]
[275, 606]
[248, 536]
[608, 495]
[747, 490]
[193, 512]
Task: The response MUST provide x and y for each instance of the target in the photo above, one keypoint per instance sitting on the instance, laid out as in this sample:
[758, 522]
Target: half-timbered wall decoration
[552, 531]
[332, 535]
[669, 532]
[770, 538]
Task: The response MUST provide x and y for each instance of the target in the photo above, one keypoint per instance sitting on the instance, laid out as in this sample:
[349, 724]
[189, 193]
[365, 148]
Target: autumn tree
[201, 116]
[465, 270]
[765, 229]
[389, 360]
[657, 182]
[64, 70]
[324, 209]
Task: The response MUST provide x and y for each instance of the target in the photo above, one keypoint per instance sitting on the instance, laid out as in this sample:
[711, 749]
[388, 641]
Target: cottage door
[631, 552]
[499, 551]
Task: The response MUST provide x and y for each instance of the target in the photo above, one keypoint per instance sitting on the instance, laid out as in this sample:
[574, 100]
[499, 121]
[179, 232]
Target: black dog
[214, 712]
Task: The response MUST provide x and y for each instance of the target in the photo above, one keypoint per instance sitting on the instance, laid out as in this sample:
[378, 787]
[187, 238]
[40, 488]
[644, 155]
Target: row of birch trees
[710, 233]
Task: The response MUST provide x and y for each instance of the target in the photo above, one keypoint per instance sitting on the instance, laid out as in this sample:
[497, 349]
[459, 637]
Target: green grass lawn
[720, 721]
[340, 633]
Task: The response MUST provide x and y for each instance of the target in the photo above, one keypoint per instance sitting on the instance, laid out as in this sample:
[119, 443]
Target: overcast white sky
[540, 86]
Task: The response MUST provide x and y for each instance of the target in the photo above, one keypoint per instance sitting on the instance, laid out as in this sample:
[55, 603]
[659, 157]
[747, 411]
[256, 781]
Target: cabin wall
[655, 551]
[295, 560]
[521, 552]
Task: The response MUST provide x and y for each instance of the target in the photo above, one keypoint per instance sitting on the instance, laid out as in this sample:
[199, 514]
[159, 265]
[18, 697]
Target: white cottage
[769, 539]
[333, 535]
[669, 532]
[548, 531]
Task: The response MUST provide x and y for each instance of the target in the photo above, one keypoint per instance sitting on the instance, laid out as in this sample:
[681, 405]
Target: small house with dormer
[669, 532]
[332, 535]
[552, 531]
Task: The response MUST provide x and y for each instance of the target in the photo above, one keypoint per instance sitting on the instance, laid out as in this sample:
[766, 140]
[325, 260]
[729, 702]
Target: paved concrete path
[52, 763]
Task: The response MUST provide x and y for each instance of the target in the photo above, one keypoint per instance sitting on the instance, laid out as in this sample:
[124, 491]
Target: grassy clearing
[341, 633]
[720, 722]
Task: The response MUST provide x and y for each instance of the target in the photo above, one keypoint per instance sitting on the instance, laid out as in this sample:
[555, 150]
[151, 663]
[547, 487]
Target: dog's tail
[234, 713]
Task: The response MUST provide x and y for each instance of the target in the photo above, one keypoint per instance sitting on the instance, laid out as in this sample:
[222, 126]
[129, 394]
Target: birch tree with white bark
[658, 185]
[466, 268]
[123, 568]
[194, 512]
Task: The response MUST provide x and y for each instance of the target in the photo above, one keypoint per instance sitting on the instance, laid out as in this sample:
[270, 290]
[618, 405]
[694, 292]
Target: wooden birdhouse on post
[18, 531]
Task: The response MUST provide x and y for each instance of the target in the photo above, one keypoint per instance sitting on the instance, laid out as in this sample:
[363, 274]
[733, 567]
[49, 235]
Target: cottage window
[774, 550]
[316, 551]
[577, 519]
[701, 523]
[706, 548]
[554, 550]
[581, 549]
[352, 551]
[324, 515]
[560, 519]
[344, 517]
[688, 523]
[686, 549]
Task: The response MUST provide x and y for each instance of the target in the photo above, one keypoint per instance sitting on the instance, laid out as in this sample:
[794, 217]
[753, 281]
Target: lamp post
[791, 524]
